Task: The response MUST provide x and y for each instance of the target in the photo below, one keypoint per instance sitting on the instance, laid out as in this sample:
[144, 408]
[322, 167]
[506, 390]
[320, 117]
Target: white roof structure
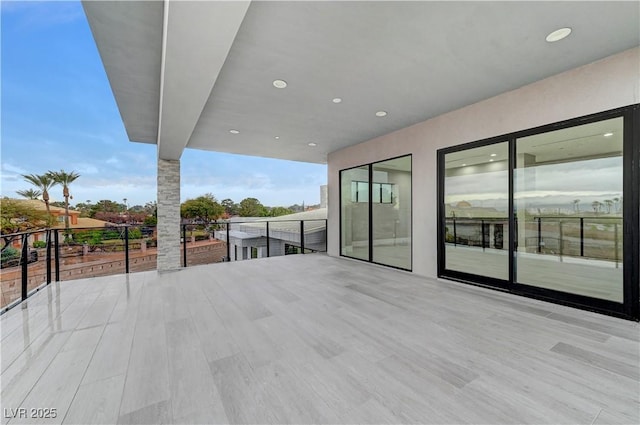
[186, 73]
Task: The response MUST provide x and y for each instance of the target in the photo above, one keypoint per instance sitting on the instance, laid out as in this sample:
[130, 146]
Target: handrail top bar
[537, 216]
[122, 226]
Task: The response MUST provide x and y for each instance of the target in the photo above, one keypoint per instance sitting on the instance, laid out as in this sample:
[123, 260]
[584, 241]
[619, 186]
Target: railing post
[267, 239]
[561, 237]
[615, 240]
[302, 236]
[482, 229]
[228, 244]
[539, 234]
[56, 246]
[326, 231]
[48, 256]
[126, 248]
[455, 233]
[25, 264]
[184, 244]
[582, 236]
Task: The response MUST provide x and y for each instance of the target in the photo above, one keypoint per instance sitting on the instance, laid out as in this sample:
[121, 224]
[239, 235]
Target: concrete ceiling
[196, 70]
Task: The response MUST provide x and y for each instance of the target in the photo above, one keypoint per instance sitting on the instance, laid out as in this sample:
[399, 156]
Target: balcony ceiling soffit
[415, 60]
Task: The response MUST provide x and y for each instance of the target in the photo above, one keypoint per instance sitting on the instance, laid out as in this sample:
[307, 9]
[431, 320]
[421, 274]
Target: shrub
[135, 233]
[150, 221]
[10, 253]
[39, 244]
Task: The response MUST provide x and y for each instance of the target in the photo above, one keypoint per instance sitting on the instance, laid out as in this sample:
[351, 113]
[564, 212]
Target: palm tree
[43, 182]
[576, 207]
[609, 204]
[65, 179]
[29, 193]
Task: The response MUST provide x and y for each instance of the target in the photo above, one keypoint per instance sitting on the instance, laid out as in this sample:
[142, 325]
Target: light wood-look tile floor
[310, 339]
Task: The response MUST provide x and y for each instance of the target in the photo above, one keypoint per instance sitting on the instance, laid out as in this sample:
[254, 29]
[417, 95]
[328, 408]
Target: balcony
[309, 339]
[32, 259]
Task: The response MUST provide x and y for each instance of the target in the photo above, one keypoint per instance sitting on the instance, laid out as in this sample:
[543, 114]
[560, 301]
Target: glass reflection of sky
[543, 186]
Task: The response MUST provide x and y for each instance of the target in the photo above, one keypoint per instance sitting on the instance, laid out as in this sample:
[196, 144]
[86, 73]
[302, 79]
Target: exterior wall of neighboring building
[603, 85]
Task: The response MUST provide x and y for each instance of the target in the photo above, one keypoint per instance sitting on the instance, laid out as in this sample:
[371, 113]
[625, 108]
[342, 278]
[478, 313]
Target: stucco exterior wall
[603, 85]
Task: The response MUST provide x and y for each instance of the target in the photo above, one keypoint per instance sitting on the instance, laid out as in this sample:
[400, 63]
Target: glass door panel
[568, 202]
[476, 198]
[354, 210]
[391, 204]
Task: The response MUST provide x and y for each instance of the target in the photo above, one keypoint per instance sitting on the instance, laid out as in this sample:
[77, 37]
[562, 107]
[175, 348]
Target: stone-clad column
[168, 214]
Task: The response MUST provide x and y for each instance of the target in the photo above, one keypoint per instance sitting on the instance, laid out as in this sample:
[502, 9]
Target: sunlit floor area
[310, 339]
[593, 278]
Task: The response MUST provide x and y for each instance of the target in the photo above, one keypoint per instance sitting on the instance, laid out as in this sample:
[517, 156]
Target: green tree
[204, 208]
[104, 206]
[230, 207]
[84, 208]
[29, 193]
[616, 201]
[608, 203]
[151, 208]
[296, 208]
[17, 216]
[43, 182]
[150, 220]
[596, 206]
[251, 207]
[65, 179]
[278, 211]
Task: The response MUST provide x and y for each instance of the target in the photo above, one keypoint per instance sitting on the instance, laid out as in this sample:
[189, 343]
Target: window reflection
[476, 211]
[391, 195]
[568, 203]
[354, 210]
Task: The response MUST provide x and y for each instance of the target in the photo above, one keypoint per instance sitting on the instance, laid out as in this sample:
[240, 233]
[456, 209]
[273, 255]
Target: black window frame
[630, 307]
[369, 166]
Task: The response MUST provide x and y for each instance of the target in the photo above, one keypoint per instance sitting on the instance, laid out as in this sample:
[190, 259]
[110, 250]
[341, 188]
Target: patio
[310, 339]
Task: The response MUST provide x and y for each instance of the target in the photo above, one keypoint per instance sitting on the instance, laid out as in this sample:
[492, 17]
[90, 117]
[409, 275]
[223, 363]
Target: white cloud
[84, 169]
[12, 171]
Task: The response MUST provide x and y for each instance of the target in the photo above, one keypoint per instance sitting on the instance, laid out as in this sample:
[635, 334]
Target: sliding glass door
[476, 203]
[391, 212]
[375, 213]
[551, 212]
[568, 199]
[354, 213]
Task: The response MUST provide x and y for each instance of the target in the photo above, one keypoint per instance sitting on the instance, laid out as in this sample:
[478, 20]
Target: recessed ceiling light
[608, 134]
[279, 84]
[381, 114]
[558, 35]
[491, 160]
[277, 137]
[234, 132]
[493, 154]
[312, 144]
[464, 165]
[336, 100]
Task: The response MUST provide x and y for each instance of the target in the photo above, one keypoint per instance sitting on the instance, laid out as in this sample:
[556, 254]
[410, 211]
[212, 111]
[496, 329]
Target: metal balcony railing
[590, 237]
[31, 260]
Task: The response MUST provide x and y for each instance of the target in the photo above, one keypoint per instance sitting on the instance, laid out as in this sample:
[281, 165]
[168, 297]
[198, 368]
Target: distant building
[58, 214]
[248, 235]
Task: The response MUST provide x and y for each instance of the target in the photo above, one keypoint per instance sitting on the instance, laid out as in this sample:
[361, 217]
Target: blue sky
[58, 112]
